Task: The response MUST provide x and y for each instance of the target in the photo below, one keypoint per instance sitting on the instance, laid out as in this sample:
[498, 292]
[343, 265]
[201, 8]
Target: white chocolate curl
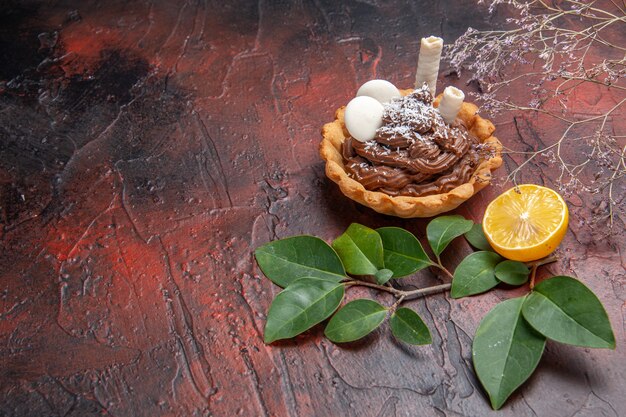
[451, 103]
[428, 63]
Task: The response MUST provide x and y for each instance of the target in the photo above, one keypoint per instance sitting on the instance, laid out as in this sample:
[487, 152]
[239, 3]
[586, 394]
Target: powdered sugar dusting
[410, 116]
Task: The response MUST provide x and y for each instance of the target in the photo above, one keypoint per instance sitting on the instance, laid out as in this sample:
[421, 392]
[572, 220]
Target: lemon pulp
[526, 223]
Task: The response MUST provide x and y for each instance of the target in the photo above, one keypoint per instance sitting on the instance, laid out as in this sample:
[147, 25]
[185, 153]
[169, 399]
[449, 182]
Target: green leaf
[442, 230]
[564, 309]
[512, 272]
[300, 306]
[283, 261]
[475, 274]
[506, 350]
[361, 250]
[476, 238]
[403, 253]
[355, 320]
[383, 276]
[409, 327]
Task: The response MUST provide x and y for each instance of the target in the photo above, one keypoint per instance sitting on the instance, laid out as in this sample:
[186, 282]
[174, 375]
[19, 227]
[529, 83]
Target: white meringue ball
[381, 90]
[363, 116]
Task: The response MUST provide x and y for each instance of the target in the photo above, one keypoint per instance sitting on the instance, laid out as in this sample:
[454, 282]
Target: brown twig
[355, 282]
[428, 290]
[444, 269]
[533, 272]
[395, 305]
[400, 294]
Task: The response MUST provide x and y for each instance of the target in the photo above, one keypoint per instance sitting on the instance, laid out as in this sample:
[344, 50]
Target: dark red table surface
[147, 148]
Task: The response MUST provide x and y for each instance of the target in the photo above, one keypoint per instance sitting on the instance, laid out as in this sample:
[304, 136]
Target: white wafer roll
[451, 103]
[428, 63]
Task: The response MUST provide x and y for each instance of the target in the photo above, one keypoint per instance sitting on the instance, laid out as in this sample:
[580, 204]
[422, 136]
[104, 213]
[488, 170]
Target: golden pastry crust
[330, 150]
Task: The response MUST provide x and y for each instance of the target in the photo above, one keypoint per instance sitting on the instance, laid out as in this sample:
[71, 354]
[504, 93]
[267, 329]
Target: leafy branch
[510, 339]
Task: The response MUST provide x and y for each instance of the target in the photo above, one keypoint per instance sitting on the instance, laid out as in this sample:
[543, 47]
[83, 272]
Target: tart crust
[402, 206]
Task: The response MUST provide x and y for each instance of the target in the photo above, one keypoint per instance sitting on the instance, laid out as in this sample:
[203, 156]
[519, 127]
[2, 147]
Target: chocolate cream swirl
[415, 153]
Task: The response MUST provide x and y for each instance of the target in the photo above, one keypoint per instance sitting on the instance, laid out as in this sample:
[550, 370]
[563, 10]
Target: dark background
[147, 148]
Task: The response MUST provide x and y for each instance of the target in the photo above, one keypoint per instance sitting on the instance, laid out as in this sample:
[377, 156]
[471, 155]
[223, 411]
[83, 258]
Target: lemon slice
[526, 223]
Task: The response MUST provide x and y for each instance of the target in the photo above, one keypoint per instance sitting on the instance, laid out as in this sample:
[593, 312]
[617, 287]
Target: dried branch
[555, 50]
